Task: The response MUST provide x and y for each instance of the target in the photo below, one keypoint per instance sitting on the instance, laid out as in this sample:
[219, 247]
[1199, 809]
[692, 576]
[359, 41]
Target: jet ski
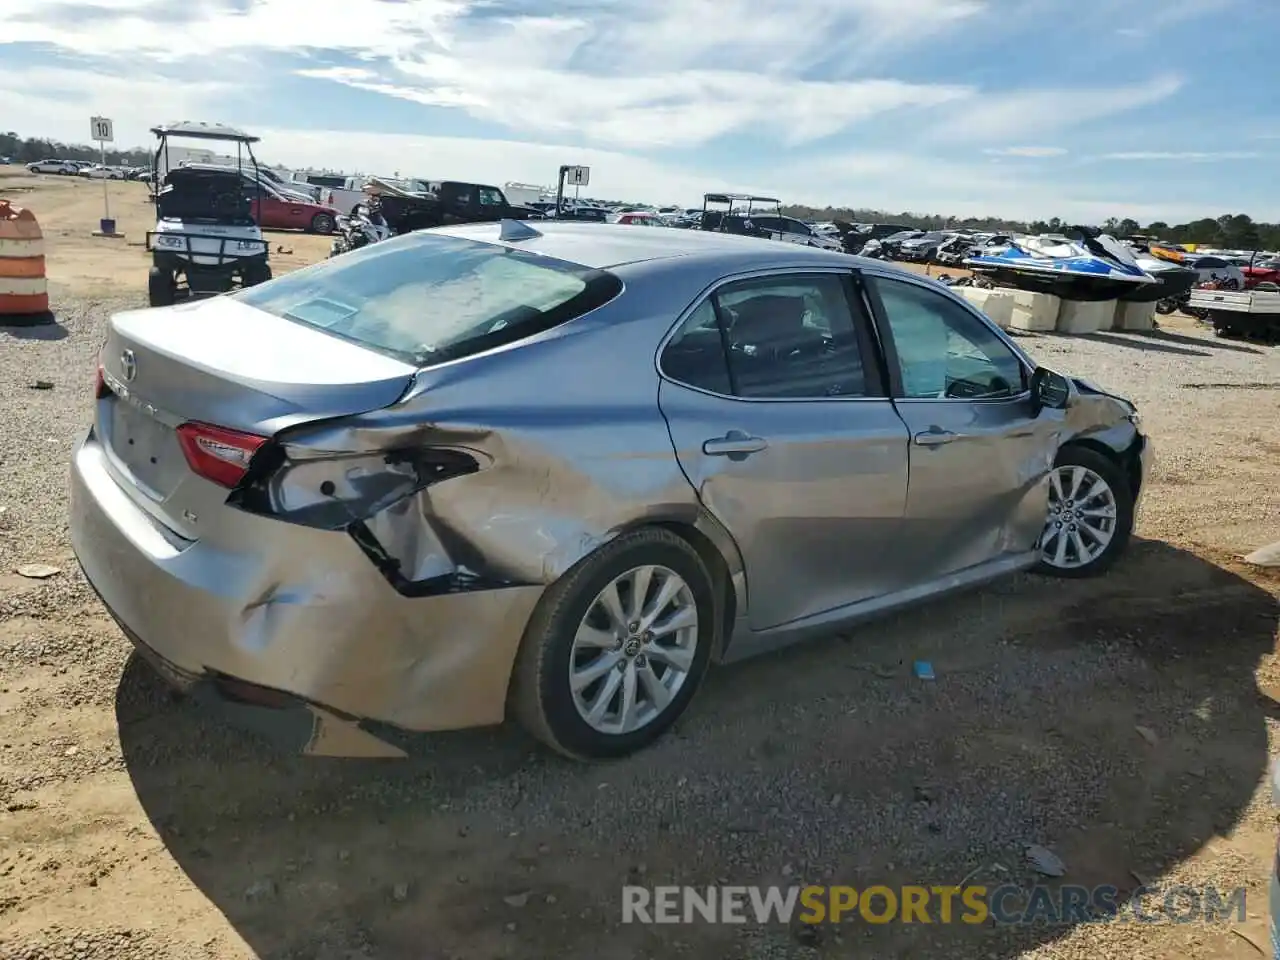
[1092, 267]
[1172, 280]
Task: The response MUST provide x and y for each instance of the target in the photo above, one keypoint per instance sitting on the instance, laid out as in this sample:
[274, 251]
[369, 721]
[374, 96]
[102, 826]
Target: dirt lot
[132, 825]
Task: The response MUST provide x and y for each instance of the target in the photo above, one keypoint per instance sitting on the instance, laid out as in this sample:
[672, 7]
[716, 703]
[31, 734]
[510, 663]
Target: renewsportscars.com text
[974, 904]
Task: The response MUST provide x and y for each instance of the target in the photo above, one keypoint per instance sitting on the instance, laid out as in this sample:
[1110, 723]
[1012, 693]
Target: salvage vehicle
[636, 218]
[53, 165]
[892, 244]
[206, 239]
[282, 208]
[924, 248]
[99, 171]
[410, 205]
[791, 230]
[315, 495]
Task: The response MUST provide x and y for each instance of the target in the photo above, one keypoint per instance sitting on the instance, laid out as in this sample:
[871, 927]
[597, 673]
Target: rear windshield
[427, 298]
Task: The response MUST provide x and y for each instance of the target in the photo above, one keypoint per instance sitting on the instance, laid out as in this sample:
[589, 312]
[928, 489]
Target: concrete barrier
[1135, 316]
[996, 304]
[1086, 316]
[1036, 312]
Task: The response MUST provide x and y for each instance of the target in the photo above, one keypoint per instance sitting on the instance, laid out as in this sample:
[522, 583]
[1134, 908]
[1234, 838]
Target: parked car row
[84, 168]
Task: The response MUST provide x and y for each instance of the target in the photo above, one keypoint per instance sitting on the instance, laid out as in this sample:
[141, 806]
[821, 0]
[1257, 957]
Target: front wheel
[255, 273]
[1090, 514]
[617, 647]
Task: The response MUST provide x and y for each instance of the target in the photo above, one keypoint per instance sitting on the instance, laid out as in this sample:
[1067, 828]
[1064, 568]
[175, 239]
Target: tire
[1166, 307]
[1105, 470]
[255, 273]
[541, 696]
[161, 288]
[322, 223]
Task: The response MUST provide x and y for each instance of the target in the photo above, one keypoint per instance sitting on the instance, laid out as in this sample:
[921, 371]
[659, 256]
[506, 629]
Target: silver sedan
[557, 473]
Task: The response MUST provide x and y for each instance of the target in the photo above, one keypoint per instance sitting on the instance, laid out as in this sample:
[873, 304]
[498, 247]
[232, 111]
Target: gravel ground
[133, 825]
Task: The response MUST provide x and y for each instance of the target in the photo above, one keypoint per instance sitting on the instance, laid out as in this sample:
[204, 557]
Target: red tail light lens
[216, 453]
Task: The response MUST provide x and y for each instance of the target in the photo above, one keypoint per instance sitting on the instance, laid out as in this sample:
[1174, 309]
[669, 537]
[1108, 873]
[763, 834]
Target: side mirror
[1051, 389]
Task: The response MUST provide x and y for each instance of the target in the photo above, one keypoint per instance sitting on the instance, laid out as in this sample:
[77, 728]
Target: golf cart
[206, 240]
[735, 218]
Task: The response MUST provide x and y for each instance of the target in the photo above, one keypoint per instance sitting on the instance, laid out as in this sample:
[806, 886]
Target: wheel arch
[1126, 458]
[718, 551]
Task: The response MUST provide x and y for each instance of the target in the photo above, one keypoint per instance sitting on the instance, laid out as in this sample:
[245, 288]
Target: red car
[1268, 272]
[288, 213]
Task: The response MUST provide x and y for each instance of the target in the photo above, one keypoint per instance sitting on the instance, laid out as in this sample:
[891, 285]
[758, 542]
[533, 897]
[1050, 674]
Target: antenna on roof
[513, 230]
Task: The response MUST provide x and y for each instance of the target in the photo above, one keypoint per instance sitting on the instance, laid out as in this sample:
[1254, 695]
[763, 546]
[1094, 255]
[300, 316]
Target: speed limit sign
[100, 129]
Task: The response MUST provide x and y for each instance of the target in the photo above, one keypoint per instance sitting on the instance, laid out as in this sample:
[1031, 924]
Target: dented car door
[980, 451]
[773, 397]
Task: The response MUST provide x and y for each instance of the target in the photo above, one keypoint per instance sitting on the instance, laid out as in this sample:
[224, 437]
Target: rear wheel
[322, 223]
[1090, 514]
[617, 647]
[162, 289]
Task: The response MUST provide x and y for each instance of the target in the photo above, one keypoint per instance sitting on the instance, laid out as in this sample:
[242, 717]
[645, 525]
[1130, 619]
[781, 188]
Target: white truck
[337, 191]
[1247, 313]
[525, 194]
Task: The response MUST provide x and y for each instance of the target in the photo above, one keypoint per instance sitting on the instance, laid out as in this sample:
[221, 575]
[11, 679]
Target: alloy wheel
[633, 650]
[1082, 518]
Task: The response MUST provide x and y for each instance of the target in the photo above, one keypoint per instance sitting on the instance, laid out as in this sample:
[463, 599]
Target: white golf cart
[206, 239]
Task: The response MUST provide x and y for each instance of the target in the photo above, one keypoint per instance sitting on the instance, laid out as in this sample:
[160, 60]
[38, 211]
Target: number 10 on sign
[101, 129]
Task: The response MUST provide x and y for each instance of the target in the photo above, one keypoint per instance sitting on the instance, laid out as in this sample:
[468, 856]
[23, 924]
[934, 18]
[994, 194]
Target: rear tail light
[218, 454]
[100, 388]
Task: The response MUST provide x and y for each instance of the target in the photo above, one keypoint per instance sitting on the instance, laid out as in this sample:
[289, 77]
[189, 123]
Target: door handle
[735, 445]
[935, 437]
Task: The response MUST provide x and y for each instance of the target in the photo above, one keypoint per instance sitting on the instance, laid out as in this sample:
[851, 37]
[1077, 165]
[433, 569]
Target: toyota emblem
[128, 365]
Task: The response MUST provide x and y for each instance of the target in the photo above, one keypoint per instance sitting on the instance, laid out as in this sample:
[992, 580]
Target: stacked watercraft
[1088, 268]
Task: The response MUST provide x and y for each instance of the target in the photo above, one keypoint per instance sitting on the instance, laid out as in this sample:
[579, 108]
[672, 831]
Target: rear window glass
[333, 183]
[428, 299]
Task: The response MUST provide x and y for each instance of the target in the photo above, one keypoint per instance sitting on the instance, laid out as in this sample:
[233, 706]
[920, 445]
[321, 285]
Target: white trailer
[524, 194]
[1249, 313]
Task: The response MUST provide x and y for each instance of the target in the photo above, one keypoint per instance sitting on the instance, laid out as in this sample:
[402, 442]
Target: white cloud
[57, 102]
[1030, 112]
[1025, 151]
[1188, 155]
[666, 72]
[627, 77]
[217, 26]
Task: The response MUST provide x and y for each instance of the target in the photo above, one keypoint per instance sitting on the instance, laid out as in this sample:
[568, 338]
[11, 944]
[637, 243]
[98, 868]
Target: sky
[1080, 109]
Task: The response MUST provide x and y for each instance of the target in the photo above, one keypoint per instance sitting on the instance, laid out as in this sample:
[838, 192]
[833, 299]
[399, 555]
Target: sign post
[102, 130]
[578, 176]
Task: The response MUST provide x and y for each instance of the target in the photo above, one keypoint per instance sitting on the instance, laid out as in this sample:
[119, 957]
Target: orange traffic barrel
[23, 289]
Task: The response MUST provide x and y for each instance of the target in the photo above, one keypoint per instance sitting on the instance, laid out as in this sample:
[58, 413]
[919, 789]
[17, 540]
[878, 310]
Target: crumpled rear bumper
[294, 610]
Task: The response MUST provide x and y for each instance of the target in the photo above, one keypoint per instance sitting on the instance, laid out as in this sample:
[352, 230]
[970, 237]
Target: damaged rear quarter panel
[573, 446]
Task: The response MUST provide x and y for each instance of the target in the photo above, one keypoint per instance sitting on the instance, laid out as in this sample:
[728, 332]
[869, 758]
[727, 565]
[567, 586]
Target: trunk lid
[221, 362]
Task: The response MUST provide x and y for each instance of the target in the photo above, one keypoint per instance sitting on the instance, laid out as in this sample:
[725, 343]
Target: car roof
[603, 245]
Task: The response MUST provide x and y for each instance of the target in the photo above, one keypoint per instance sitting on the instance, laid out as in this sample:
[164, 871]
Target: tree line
[30, 149]
[1233, 231]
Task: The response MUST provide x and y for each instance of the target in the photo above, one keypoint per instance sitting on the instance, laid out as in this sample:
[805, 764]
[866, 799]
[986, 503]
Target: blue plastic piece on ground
[923, 669]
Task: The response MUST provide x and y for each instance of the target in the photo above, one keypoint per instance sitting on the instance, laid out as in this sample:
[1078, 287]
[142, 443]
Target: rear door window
[777, 338]
[429, 299]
